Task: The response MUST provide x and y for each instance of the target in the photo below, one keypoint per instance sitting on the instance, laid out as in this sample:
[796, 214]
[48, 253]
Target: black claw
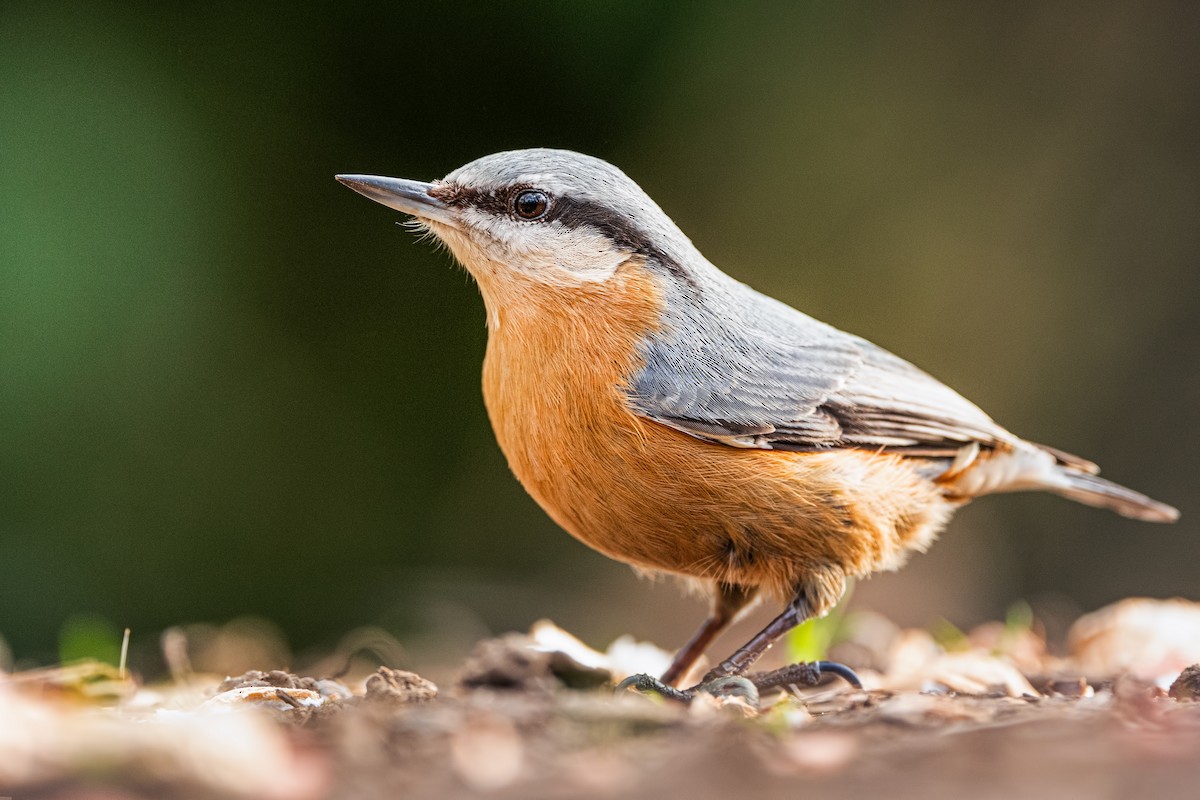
[841, 670]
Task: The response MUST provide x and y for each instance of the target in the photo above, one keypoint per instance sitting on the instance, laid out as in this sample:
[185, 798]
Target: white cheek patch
[549, 253]
[579, 255]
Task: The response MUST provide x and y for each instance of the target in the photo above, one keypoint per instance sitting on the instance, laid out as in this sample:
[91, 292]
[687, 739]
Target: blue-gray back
[735, 366]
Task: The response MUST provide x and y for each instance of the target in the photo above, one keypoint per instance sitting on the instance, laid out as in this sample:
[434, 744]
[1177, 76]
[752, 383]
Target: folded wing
[761, 374]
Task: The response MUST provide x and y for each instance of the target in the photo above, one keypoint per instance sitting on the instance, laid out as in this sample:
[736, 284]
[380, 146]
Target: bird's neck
[597, 317]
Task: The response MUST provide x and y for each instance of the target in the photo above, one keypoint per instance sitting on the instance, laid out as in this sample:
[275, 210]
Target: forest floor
[534, 716]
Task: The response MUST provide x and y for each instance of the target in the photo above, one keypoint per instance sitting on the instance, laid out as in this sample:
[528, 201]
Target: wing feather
[761, 374]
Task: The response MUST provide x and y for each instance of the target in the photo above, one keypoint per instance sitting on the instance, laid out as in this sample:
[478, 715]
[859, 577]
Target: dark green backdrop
[230, 386]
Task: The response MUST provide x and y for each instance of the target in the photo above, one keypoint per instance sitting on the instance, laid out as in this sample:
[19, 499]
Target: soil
[525, 723]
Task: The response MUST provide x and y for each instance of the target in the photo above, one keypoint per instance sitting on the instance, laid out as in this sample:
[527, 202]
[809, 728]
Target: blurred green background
[229, 386]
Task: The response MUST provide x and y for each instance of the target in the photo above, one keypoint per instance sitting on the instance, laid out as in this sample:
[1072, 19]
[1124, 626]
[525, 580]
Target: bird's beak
[411, 197]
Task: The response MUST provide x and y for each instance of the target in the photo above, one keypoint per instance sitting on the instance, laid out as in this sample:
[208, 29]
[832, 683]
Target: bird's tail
[1093, 490]
[1024, 465]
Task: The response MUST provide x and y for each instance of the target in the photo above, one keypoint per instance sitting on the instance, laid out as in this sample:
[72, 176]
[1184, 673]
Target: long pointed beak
[411, 197]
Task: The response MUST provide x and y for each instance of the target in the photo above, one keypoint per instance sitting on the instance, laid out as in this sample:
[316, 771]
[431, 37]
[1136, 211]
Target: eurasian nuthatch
[679, 421]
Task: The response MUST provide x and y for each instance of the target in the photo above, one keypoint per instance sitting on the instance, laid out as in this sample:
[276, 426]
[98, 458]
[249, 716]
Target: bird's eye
[530, 204]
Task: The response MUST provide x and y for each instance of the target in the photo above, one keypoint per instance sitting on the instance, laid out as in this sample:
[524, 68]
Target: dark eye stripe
[577, 213]
[571, 212]
[490, 202]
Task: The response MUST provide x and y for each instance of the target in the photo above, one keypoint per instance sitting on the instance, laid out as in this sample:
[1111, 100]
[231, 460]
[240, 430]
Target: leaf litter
[988, 713]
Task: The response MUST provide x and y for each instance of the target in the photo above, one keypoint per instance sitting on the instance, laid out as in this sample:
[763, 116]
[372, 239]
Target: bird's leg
[725, 678]
[734, 668]
[691, 652]
[728, 602]
[730, 678]
[745, 656]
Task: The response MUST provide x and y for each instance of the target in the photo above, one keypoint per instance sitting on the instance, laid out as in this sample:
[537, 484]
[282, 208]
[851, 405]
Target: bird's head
[524, 221]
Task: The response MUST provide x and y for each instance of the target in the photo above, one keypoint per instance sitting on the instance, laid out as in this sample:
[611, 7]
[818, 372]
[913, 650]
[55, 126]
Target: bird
[672, 418]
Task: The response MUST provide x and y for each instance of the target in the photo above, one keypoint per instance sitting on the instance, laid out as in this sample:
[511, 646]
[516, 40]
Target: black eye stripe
[489, 202]
[569, 211]
[573, 213]
[577, 213]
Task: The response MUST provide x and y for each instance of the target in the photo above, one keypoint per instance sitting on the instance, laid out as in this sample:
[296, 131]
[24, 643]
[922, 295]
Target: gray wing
[753, 372]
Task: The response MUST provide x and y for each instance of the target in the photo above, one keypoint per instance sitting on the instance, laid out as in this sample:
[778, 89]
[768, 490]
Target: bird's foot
[647, 684]
[747, 687]
[806, 673]
[724, 686]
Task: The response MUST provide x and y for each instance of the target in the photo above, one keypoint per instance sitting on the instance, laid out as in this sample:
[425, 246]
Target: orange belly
[661, 500]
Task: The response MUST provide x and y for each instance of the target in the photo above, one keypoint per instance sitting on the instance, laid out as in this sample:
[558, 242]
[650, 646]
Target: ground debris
[83, 681]
[1153, 639]
[998, 717]
[917, 662]
[508, 663]
[300, 699]
[275, 677]
[397, 687]
[1186, 688]
[1064, 687]
[272, 697]
[324, 687]
[549, 658]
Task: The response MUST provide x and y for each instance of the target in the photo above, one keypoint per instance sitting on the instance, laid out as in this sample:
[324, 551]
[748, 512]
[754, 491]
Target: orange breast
[554, 378]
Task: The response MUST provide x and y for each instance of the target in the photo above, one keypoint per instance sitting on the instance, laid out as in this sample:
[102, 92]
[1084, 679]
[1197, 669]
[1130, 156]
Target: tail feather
[1025, 466]
[1069, 459]
[1096, 491]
